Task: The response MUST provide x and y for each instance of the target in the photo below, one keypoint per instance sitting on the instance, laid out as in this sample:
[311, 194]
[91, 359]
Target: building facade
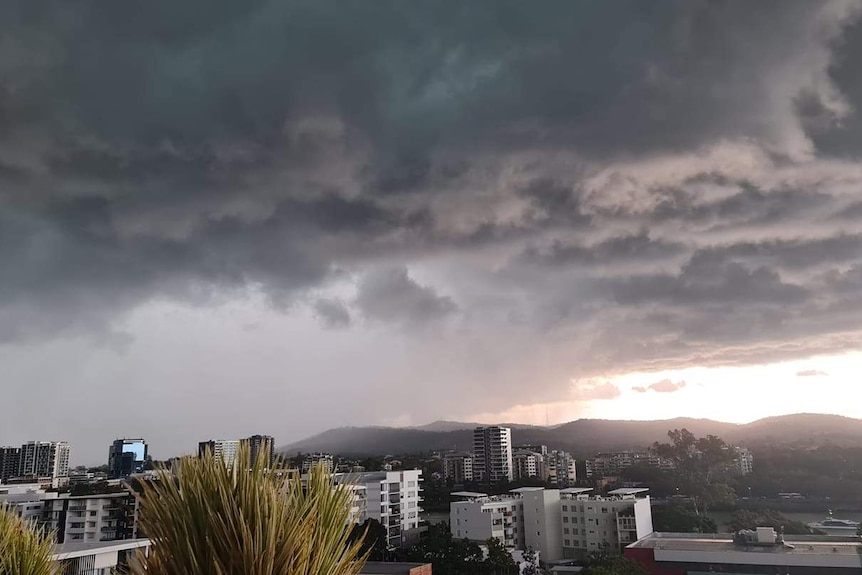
[492, 448]
[562, 468]
[594, 523]
[318, 459]
[92, 518]
[126, 456]
[10, 463]
[744, 460]
[561, 524]
[261, 445]
[528, 464]
[458, 467]
[78, 558]
[393, 498]
[223, 450]
[44, 459]
[612, 463]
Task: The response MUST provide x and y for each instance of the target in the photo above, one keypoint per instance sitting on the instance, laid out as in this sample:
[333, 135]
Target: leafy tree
[679, 519]
[746, 519]
[23, 549]
[211, 518]
[531, 566]
[447, 555]
[698, 465]
[499, 560]
[373, 537]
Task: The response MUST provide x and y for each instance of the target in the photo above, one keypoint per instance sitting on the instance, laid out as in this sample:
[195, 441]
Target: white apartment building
[79, 558]
[458, 467]
[593, 523]
[25, 500]
[562, 468]
[744, 459]
[492, 448]
[224, 450]
[559, 523]
[322, 459]
[394, 499]
[479, 517]
[527, 464]
[92, 518]
[44, 459]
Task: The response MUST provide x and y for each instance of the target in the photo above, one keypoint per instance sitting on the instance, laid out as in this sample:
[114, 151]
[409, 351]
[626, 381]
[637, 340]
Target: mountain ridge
[583, 437]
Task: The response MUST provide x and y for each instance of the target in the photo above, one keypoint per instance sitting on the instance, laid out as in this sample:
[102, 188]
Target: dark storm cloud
[332, 313]
[392, 295]
[666, 176]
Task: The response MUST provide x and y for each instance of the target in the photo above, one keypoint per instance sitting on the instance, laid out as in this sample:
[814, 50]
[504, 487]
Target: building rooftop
[470, 494]
[800, 550]
[387, 568]
[628, 491]
[81, 549]
[575, 490]
[526, 489]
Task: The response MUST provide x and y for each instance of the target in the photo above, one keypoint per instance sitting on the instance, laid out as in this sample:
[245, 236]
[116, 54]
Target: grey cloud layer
[647, 184]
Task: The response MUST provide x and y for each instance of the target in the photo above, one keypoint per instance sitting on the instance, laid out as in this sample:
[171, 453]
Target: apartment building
[458, 467]
[126, 456]
[528, 464]
[479, 517]
[263, 445]
[10, 462]
[744, 460]
[318, 459]
[594, 523]
[562, 468]
[224, 450]
[612, 463]
[492, 447]
[44, 459]
[559, 523]
[25, 500]
[227, 449]
[92, 518]
[394, 499]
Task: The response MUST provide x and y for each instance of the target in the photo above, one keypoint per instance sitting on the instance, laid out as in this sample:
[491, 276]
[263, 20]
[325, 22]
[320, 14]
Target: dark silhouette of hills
[585, 437]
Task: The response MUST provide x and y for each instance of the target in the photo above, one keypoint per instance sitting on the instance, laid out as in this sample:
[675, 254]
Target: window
[565, 507]
[565, 518]
[582, 508]
[567, 543]
[604, 509]
[565, 530]
[539, 533]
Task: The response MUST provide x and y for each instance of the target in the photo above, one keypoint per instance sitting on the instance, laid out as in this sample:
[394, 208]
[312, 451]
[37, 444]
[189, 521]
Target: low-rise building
[318, 459]
[760, 552]
[101, 558]
[393, 498]
[612, 463]
[92, 518]
[596, 523]
[562, 524]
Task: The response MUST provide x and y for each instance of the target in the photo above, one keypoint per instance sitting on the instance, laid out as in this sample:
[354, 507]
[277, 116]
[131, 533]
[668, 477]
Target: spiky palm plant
[24, 550]
[212, 519]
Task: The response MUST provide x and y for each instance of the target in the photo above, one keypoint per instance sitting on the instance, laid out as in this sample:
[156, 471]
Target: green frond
[24, 550]
[216, 520]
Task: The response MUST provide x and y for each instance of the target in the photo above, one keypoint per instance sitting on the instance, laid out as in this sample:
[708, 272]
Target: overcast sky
[221, 218]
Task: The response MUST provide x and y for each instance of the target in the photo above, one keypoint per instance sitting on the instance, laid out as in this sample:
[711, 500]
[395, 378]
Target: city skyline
[283, 218]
